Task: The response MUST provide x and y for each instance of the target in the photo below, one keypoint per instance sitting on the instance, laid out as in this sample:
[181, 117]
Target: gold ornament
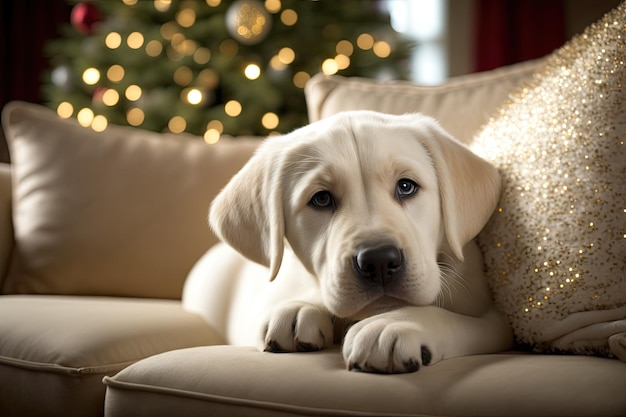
[248, 22]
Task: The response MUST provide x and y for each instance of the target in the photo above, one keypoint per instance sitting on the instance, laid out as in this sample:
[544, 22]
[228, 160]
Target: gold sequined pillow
[555, 250]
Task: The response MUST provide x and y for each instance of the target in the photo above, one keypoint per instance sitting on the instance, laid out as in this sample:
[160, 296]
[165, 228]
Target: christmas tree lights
[212, 67]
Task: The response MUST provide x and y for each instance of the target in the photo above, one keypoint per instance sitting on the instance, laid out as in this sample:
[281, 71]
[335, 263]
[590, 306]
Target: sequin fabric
[556, 244]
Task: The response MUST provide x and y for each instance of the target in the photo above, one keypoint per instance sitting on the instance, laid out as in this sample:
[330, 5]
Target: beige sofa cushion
[556, 250]
[6, 224]
[461, 105]
[240, 381]
[120, 213]
[54, 350]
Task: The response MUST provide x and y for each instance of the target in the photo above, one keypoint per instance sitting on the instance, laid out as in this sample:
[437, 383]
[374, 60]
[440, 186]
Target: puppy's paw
[387, 346]
[297, 327]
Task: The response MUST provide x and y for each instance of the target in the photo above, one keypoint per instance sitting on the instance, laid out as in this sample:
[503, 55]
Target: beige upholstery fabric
[122, 212]
[240, 381]
[6, 225]
[47, 394]
[461, 105]
[55, 350]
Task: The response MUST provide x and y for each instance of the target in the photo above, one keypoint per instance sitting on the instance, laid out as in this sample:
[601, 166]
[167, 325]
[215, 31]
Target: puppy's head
[366, 201]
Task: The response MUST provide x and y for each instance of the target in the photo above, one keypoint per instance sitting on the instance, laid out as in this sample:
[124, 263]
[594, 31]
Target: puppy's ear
[468, 185]
[248, 213]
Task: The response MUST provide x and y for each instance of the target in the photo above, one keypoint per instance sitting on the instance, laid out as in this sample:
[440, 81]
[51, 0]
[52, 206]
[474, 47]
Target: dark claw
[306, 347]
[426, 355]
[274, 347]
[367, 368]
[354, 367]
[411, 365]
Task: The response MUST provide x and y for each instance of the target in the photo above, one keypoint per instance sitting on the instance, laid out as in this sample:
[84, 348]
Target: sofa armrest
[6, 225]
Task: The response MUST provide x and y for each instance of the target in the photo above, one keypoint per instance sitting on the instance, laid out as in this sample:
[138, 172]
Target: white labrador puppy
[362, 216]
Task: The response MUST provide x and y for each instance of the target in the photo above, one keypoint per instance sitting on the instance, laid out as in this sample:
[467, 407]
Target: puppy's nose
[380, 264]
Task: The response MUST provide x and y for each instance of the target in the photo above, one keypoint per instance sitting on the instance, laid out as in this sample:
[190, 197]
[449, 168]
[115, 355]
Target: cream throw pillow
[556, 248]
[119, 213]
[462, 105]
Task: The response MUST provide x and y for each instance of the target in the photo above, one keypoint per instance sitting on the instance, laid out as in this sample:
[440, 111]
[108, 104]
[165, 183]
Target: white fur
[440, 305]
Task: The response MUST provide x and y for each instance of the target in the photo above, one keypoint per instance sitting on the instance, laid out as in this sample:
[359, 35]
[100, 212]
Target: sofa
[99, 231]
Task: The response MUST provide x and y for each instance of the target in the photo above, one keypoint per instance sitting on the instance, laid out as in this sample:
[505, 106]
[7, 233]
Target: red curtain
[510, 31]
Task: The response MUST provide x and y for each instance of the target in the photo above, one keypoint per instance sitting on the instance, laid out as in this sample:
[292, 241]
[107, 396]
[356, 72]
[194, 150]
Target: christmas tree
[212, 67]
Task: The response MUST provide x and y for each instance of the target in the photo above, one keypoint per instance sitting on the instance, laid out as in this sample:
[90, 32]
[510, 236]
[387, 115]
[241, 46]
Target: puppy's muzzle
[379, 264]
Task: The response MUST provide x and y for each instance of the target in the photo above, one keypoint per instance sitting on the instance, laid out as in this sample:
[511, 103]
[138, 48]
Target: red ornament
[84, 16]
[97, 94]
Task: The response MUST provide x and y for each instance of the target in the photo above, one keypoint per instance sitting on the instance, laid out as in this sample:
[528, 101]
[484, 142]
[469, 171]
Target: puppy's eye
[323, 200]
[406, 188]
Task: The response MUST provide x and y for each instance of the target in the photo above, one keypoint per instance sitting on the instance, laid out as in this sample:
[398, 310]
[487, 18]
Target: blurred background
[238, 67]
